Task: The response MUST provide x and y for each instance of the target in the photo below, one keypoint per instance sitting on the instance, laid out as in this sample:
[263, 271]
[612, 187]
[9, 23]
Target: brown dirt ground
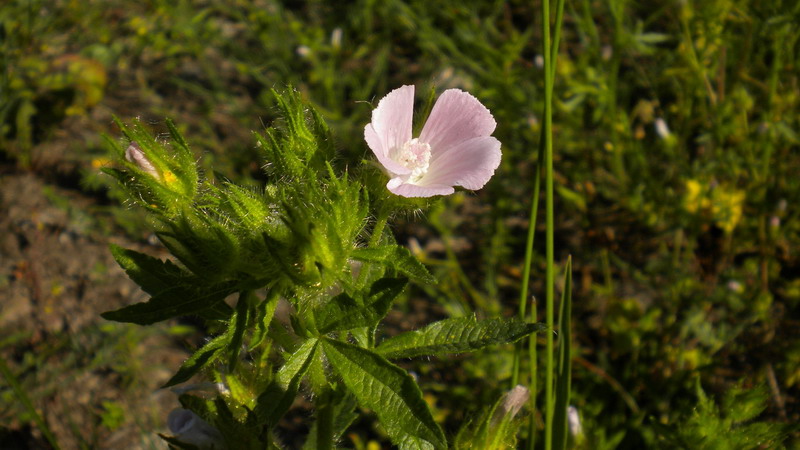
[56, 277]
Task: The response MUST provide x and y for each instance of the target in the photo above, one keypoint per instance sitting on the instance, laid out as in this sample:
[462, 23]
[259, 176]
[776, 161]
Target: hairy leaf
[281, 392]
[151, 274]
[398, 258]
[456, 335]
[389, 391]
[200, 359]
[172, 302]
[344, 313]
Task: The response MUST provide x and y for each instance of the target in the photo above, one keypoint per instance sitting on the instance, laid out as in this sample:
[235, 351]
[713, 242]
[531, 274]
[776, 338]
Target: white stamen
[414, 155]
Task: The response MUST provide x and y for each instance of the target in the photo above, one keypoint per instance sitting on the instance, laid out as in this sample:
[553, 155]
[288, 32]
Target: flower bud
[135, 155]
[574, 421]
[189, 428]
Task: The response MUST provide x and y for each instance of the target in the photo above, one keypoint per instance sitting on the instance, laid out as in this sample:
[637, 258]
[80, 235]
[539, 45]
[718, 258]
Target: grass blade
[564, 379]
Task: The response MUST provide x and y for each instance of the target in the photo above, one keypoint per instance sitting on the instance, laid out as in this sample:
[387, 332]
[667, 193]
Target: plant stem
[325, 421]
[532, 354]
[550, 273]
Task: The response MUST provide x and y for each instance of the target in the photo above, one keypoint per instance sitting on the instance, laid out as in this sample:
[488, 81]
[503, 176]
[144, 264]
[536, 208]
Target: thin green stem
[550, 272]
[325, 421]
[532, 354]
[526, 270]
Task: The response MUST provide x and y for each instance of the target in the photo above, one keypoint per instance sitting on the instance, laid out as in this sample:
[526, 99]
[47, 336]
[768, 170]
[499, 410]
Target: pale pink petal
[456, 117]
[398, 187]
[469, 164]
[391, 120]
[376, 145]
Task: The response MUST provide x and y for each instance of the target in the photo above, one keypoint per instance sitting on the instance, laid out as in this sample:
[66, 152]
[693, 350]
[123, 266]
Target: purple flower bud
[189, 428]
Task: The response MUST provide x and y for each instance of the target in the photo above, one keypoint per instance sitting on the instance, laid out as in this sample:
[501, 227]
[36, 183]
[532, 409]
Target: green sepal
[456, 335]
[389, 391]
[344, 313]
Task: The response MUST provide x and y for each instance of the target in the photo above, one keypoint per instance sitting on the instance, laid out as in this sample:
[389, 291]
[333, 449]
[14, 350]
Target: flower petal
[469, 164]
[391, 124]
[456, 117]
[398, 187]
[376, 145]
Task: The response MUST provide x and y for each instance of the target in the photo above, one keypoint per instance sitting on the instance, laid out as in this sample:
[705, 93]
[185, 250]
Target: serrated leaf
[344, 313]
[173, 302]
[389, 391]
[276, 399]
[456, 335]
[398, 258]
[151, 274]
[200, 359]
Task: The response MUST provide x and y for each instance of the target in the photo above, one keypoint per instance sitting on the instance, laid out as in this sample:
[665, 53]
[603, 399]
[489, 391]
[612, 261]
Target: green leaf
[389, 391]
[200, 359]
[172, 302]
[264, 311]
[276, 399]
[344, 313]
[398, 258]
[456, 335]
[151, 274]
[564, 375]
[344, 415]
[237, 328]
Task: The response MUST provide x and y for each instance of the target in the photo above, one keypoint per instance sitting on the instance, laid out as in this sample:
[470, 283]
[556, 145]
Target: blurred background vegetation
[677, 153]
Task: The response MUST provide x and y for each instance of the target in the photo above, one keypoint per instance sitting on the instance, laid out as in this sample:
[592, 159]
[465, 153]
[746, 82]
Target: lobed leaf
[398, 258]
[344, 313]
[151, 274]
[172, 302]
[389, 391]
[456, 335]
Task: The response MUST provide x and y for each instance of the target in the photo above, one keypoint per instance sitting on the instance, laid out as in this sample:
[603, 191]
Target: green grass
[682, 243]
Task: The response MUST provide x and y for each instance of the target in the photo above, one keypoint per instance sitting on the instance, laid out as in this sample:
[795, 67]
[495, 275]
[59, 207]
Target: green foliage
[388, 390]
[564, 374]
[397, 258]
[456, 335]
[342, 313]
[730, 425]
[684, 237]
[281, 392]
[497, 427]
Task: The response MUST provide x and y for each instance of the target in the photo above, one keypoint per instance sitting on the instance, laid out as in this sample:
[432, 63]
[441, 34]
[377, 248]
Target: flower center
[414, 155]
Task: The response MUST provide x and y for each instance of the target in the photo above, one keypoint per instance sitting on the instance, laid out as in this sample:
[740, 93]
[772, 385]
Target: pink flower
[454, 149]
